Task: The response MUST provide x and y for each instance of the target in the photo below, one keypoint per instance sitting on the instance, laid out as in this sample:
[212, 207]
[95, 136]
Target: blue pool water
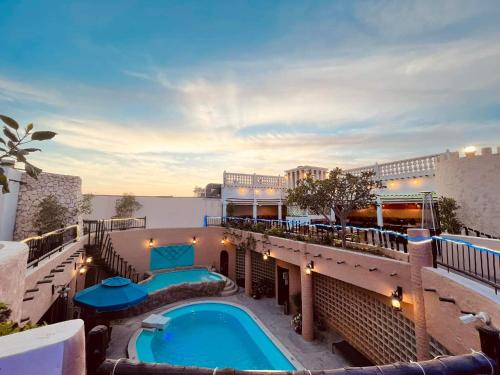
[166, 279]
[211, 335]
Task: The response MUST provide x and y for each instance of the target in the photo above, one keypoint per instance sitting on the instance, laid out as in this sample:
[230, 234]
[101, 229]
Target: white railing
[416, 167]
[254, 180]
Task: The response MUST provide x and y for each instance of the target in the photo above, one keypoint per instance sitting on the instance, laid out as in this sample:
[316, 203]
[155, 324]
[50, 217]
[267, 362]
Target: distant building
[209, 191]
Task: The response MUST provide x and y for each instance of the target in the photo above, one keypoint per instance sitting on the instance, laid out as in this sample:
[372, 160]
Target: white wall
[57, 349]
[8, 206]
[162, 212]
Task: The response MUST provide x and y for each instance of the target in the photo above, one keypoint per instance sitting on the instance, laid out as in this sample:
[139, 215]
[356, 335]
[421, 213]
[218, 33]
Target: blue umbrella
[115, 293]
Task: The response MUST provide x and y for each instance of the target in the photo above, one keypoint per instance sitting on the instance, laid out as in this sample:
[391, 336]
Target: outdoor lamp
[88, 260]
[223, 241]
[194, 240]
[82, 270]
[151, 242]
[266, 254]
[309, 267]
[396, 298]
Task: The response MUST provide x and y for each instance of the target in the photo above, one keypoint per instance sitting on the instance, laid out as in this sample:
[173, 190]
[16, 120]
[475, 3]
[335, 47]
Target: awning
[112, 294]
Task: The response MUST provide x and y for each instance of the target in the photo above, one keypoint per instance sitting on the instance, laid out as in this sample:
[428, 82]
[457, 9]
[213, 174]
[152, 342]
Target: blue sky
[157, 97]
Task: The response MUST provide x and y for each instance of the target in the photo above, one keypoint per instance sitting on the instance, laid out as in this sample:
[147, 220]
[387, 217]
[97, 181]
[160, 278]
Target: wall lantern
[224, 240]
[82, 270]
[309, 267]
[396, 298]
[151, 242]
[266, 254]
[88, 260]
[194, 240]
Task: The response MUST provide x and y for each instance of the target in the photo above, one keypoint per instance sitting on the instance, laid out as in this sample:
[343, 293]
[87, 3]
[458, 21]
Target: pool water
[166, 279]
[211, 334]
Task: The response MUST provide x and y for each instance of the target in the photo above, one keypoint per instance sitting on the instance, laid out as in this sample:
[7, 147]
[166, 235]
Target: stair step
[24, 319]
[28, 298]
[56, 270]
[447, 299]
[46, 281]
[32, 290]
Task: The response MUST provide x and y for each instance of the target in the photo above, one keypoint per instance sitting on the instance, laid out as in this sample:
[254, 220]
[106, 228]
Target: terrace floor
[314, 356]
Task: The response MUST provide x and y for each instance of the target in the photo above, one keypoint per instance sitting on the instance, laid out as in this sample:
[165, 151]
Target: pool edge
[131, 347]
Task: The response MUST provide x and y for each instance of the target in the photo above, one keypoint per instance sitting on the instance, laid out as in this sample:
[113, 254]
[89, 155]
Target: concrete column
[306, 284]
[254, 210]
[248, 272]
[380, 217]
[420, 251]
[224, 208]
[280, 213]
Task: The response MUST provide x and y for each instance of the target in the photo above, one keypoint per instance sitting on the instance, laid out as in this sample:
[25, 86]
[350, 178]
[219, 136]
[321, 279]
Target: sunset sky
[155, 97]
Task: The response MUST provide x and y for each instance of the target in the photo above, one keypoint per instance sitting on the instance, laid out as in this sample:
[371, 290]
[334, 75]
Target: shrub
[126, 206]
[50, 215]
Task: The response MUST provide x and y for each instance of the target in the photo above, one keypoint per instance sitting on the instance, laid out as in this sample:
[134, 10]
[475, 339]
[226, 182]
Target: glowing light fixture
[224, 240]
[396, 298]
[151, 242]
[266, 254]
[82, 270]
[88, 260]
[470, 150]
[309, 267]
[194, 241]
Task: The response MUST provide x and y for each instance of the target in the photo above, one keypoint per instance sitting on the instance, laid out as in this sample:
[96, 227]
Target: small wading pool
[169, 278]
[211, 334]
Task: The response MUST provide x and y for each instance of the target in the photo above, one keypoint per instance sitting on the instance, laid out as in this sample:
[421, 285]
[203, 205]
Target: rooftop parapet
[408, 168]
[253, 181]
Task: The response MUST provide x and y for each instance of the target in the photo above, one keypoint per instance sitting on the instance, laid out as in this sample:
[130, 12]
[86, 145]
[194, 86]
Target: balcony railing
[408, 168]
[254, 181]
[461, 257]
[43, 246]
[97, 228]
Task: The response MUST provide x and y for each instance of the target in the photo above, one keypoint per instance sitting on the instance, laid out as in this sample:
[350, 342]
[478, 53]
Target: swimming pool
[169, 278]
[212, 334]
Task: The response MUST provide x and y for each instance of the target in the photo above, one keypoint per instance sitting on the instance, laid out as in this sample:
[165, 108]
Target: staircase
[230, 288]
[110, 261]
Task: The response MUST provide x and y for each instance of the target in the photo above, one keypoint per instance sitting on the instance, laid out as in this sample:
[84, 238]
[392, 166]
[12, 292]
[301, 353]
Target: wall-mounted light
[151, 242]
[224, 240]
[309, 267]
[194, 240]
[89, 260]
[396, 298]
[266, 254]
[82, 270]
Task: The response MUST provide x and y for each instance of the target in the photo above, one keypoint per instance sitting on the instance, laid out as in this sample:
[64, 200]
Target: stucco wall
[56, 349]
[8, 205]
[133, 245]
[474, 182]
[13, 259]
[442, 317]
[67, 189]
[162, 212]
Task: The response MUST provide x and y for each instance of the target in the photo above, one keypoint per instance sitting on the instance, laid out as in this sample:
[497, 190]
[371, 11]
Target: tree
[447, 215]
[341, 193]
[85, 205]
[126, 206]
[12, 148]
[50, 215]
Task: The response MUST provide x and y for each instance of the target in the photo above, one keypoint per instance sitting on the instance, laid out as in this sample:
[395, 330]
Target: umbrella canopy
[115, 293]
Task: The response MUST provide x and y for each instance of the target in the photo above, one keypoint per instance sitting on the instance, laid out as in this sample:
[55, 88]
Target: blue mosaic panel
[171, 256]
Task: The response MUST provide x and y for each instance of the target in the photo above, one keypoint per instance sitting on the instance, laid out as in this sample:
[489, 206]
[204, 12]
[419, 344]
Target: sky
[156, 97]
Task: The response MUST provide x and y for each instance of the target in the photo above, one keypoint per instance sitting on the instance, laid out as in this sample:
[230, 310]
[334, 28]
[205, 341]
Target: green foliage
[126, 206]
[7, 326]
[341, 193]
[12, 148]
[447, 215]
[85, 205]
[275, 231]
[50, 215]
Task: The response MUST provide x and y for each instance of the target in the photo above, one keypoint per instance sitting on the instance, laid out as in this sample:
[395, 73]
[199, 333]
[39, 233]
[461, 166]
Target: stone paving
[314, 356]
